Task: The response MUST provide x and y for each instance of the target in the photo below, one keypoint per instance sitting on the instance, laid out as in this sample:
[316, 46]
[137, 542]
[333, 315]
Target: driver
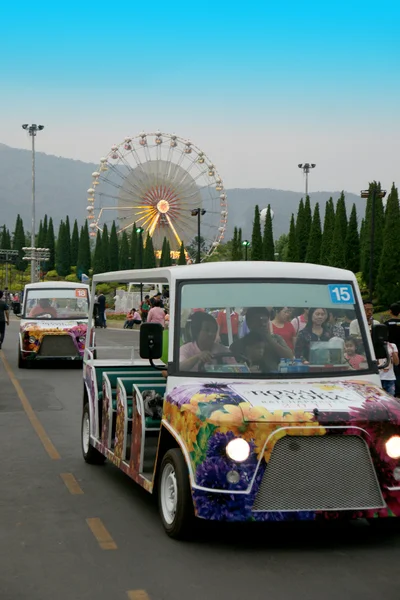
[195, 354]
[43, 309]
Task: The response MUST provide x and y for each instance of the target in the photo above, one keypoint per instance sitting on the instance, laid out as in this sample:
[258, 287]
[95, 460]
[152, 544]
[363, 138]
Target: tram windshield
[56, 303]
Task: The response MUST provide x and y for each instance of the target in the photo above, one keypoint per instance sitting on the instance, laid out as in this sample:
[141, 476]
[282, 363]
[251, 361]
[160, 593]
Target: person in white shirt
[369, 312]
[388, 377]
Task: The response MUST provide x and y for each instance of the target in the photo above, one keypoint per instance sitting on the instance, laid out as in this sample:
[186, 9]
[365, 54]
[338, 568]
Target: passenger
[257, 320]
[316, 330]
[156, 314]
[281, 325]
[201, 350]
[254, 348]
[336, 328]
[223, 326]
[350, 353]
[43, 309]
[301, 321]
[347, 318]
[369, 312]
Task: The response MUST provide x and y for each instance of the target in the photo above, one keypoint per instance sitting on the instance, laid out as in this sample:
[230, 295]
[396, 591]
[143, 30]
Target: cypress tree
[114, 249]
[133, 247]
[98, 266]
[41, 240]
[234, 249]
[168, 259]
[307, 221]
[83, 266]
[139, 254]
[388, 280]
[292, 250]
[45, 230]
[163, 253]
[68, 242]
[5, 239]
[327, 234]
[301, 232]
[341, 211]
[256, 237]
[51, 245]
[314, 243]
[352, 243]
[182, 257]
[124, 252]
[268, 238]
[19, 242]
[62, 258]
[149, 259]
[337, 258]
[365, 242]
[74, 244]
[239, 244]
[106, 248]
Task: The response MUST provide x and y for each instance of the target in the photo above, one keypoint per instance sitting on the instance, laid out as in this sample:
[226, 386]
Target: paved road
[50, 497]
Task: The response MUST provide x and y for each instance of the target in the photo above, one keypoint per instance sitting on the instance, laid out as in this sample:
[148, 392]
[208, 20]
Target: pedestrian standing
[156, 314]
[4, 318]
[102, 310]
[388, 378]
[393, 325]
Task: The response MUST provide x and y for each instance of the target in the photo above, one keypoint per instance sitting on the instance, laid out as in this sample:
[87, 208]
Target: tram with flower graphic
[54, 322]
[250, 418]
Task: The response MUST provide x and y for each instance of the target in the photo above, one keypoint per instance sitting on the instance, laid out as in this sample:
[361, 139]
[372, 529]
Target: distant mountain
[61, 185]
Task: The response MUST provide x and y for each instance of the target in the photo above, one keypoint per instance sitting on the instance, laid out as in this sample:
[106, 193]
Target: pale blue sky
[260, 86]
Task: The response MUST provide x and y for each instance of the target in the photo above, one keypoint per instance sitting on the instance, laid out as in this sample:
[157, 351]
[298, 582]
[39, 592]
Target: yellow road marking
[101, 534]
[138, 595]
[71, 483]
[30, 413]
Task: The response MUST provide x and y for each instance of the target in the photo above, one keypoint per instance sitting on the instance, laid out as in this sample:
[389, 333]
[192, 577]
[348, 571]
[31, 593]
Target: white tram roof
[228, 270]
[55, 284]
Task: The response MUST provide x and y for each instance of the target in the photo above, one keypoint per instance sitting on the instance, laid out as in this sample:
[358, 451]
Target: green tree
[164, 250]
[307, 221]
[337, 258]
[268, 238]
[139, 253]
[281, 246]
[168, 260]
[182, 257]
[314, 243]
[149, 258]
[342, 214]
[352, 243]
[302, 232]
[365, 242]
[40, 239]
[388, 280]
[256, 237]
[62, 257]
[133, 247]
[292, 248]
[83, 266]
[327, 234]
[106, 248]
[68, 241]
[18, 243]
[74, 244]
[239, 243]
[124, 262]
[45, 230]
[234, 250]
[98, 265]
[51, 245]
[5, 239]
[114, 248]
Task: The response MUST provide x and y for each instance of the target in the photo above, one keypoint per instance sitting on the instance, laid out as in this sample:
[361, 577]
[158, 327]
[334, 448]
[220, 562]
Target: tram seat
[112, 376]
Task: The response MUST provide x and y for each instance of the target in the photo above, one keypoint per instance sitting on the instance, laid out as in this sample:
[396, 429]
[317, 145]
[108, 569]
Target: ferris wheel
[158, 181]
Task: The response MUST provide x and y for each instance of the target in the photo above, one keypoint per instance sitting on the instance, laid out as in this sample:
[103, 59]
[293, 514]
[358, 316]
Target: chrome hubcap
[169, 494]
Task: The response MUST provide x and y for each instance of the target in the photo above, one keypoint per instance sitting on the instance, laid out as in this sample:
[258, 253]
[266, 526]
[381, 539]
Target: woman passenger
[316, 330]
[281, 325]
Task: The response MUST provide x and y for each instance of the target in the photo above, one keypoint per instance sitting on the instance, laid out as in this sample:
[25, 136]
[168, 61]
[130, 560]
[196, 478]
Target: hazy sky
[259, 85]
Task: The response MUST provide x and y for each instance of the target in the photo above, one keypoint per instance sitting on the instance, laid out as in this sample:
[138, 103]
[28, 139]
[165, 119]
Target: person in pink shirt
[156, 314]
[203, 349]
[357, 361]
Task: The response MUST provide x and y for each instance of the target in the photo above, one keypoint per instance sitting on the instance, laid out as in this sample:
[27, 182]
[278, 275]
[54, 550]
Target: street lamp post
[306, 167]
[246, 244]
[198, 212]
[37, 256]
[365, 194]
[139, 231]
[32, 131]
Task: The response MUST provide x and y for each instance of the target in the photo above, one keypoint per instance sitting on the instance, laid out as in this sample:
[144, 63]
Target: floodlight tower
[306, 167]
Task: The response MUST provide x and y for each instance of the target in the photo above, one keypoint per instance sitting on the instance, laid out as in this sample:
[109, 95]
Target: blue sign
[341, 293]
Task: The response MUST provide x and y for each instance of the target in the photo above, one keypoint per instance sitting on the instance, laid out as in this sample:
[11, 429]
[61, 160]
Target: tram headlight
[32, 339]
[393, 446]
[239, 450]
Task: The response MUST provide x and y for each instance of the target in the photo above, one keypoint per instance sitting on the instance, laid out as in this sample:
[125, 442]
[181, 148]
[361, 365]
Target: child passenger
[254, 348]
[350, 353]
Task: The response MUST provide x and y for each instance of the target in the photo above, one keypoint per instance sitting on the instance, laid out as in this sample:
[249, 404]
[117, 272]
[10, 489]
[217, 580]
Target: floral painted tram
[221, 438]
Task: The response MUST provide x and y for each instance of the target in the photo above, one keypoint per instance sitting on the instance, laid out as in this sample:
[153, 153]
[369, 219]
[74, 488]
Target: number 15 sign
[341, 293]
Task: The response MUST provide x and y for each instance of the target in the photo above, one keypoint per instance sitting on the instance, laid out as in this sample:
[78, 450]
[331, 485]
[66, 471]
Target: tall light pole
[139, 232]
[246, 244]
[365, 194]
[32, 131]
[306, 168]
[198, 212]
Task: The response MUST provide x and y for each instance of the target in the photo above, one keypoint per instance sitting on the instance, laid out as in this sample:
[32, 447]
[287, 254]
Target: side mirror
[380, 335]
[151, 341]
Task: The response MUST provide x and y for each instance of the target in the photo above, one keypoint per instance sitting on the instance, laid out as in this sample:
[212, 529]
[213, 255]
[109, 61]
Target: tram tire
[21, 362]
[181, 525]
[90, 454]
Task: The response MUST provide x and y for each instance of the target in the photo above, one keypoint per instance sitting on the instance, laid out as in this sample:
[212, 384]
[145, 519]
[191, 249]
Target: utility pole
[198, 212]
[306, 167]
